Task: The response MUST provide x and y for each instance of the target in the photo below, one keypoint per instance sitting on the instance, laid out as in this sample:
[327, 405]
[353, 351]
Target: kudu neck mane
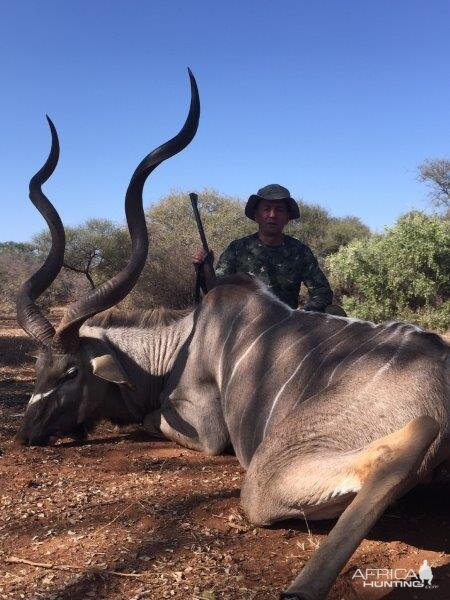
[161, 316]
[139, 319]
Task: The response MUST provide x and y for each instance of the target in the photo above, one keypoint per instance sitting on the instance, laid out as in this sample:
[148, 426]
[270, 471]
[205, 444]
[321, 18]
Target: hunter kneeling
[282, 262]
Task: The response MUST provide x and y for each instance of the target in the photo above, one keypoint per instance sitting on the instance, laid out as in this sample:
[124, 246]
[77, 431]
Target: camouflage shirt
[282, 268]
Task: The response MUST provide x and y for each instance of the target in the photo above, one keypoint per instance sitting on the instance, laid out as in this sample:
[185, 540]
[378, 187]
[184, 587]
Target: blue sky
[337, 100]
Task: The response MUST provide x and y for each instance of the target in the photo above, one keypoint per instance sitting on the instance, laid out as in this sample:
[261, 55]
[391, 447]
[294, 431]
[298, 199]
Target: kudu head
[70, 374]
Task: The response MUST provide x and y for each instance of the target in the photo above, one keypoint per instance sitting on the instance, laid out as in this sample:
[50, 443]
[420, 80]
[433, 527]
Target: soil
[122, 516]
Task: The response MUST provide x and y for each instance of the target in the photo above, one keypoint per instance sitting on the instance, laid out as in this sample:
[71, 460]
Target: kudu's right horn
[29, 315]
[114, 290]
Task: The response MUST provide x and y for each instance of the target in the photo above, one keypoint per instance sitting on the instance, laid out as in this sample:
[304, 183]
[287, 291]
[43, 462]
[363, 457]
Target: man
[281, 261]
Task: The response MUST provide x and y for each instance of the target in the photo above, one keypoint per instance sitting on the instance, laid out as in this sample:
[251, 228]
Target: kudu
[331, 417]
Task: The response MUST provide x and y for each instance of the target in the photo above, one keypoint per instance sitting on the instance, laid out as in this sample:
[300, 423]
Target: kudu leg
[203, 429]
[386, 468]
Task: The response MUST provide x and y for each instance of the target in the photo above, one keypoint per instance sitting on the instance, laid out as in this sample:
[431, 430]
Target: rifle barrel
[194, 200]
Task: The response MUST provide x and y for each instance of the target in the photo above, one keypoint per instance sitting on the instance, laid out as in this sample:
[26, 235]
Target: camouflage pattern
[282, 268]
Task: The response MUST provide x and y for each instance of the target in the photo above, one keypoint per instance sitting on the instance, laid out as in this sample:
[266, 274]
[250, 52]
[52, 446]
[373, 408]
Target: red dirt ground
[124, 517]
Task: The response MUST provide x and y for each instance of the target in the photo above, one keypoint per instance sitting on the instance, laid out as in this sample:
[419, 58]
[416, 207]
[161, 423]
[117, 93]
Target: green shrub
[401, 274]
[323, 233]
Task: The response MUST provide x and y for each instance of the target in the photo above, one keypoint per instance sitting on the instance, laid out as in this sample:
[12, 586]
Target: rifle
[200, 282]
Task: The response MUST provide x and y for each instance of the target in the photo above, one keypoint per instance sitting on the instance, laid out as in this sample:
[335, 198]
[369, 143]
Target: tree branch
[24, 561]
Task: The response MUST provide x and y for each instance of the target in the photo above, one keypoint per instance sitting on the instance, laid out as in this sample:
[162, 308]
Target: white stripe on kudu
[267, 373]
[324, 359]
[296, 370]
[381, 370]
[353, 352]
[389, 362]
[244, 354]
[219, 369]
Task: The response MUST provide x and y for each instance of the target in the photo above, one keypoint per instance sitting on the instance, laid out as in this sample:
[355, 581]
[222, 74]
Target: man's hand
[204, 266]
[200, 255]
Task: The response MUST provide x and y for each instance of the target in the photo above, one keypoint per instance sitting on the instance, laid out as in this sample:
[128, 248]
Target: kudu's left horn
[28, 314]
[114, 290]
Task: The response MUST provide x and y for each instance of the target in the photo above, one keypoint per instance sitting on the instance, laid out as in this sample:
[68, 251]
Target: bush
[17, 263]
[401, 274]
[323, 233]
[96, 249]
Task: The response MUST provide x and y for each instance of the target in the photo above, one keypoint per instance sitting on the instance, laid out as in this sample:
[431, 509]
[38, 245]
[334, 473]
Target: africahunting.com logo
[396, 578]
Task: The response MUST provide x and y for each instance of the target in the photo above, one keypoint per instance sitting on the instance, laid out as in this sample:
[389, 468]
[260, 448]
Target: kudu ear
[107, 367]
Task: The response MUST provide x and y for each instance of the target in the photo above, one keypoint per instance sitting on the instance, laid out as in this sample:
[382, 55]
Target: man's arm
[320, 292]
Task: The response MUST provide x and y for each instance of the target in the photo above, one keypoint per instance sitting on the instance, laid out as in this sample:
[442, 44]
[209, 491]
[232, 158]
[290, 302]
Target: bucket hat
[272, 192]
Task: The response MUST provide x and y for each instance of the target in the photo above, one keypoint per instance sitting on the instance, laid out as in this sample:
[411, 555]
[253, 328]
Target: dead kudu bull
[331, 417]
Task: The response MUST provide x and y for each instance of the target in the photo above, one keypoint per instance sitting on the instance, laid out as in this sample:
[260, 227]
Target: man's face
[271, 216]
